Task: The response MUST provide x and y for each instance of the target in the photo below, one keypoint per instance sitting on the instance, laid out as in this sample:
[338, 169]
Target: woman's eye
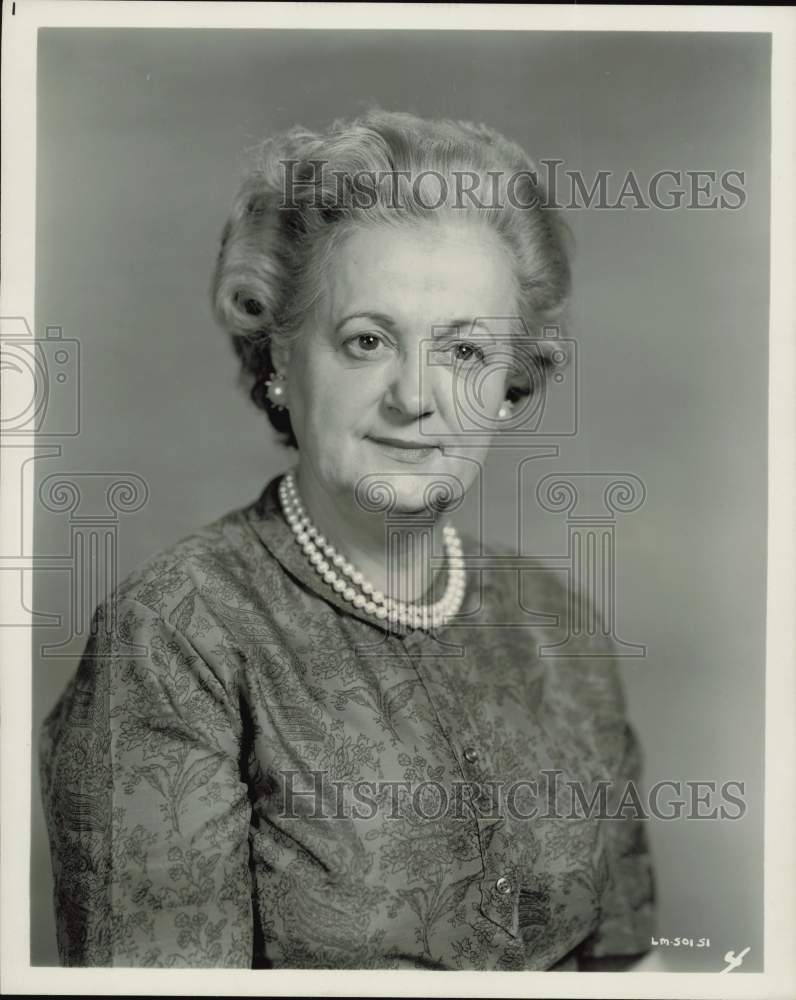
[467, 352]
[364, 343]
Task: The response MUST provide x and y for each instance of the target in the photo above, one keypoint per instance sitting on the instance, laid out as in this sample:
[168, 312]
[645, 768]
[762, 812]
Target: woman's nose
[410, 390]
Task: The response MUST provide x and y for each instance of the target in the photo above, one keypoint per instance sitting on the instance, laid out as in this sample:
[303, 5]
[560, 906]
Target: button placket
[499, 902]
[500, 896]
[483, 803]
[499, 883]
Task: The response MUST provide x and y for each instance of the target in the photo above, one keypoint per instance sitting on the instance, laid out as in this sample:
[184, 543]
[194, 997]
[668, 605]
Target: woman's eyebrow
[435, 329]
[464, 323]
[378, 317]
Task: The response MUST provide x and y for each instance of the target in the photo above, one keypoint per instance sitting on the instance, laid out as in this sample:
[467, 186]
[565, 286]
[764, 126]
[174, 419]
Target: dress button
[503, 885]
[471, 755]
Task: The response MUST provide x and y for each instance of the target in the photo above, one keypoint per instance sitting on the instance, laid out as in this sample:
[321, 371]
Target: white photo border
[19, 65]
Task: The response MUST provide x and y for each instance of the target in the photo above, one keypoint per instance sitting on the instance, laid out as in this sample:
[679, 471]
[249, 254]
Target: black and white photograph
[397, 498]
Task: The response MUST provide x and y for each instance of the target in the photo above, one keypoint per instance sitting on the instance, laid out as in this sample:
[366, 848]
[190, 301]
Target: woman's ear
[521, 381]
[527, 377]
[517, 385]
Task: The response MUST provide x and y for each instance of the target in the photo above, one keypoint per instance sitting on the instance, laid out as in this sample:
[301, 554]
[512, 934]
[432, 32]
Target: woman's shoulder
[564, 628]
[216, 557]
[538, 586]
[514, 579]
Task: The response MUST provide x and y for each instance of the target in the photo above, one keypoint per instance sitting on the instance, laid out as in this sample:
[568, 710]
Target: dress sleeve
[627, 909]
[146, 807]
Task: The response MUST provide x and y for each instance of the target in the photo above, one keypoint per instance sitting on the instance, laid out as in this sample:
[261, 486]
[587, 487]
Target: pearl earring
[275, 390]
[505, 410]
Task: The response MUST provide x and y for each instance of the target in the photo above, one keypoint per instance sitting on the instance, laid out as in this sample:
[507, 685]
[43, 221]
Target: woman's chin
[420, 493]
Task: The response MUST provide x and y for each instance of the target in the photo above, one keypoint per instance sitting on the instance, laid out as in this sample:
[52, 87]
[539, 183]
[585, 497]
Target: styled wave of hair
[305, 191]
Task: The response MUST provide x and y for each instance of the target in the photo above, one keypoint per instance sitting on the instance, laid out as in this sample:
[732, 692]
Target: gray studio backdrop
[140, 136]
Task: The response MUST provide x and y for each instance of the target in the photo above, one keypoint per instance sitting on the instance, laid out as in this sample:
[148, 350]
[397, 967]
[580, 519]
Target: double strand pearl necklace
[359, 591]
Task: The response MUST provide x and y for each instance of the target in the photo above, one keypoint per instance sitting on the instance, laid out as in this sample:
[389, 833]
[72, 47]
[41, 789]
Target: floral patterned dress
[247, 770]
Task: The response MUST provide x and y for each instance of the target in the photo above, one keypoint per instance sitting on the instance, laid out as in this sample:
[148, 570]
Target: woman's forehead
[439, 269]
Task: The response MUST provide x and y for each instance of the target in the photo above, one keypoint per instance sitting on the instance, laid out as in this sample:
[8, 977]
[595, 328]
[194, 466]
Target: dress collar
[266, 517]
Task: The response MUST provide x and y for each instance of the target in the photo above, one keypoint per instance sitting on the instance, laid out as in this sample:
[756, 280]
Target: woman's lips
[409, 453]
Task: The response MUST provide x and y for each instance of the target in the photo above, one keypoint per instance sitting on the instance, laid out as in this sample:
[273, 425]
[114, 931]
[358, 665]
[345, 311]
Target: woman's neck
[392, 550]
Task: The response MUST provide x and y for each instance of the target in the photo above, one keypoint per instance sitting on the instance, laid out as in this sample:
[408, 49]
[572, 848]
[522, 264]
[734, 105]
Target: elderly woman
[308, 735]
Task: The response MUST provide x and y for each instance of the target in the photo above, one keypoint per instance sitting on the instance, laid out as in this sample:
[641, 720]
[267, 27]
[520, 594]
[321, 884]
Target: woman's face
[385, 370]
